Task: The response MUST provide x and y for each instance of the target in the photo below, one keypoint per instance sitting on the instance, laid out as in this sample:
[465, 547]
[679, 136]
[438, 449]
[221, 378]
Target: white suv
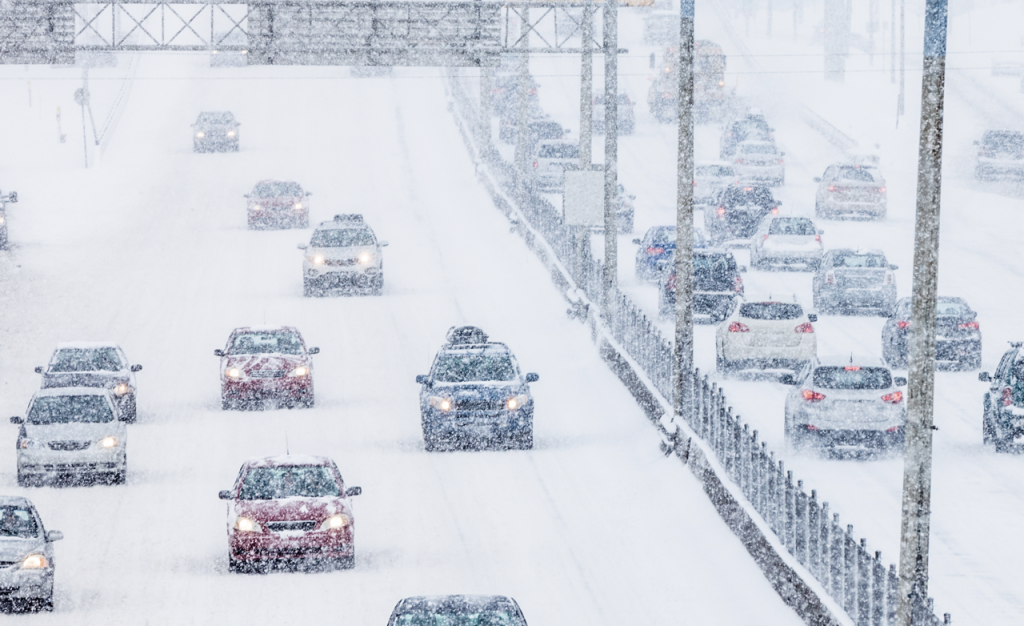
[766, 334]
[72, 431]
[343, 254]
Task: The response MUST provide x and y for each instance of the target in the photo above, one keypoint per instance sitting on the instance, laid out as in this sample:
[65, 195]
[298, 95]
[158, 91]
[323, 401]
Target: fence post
[877, 590]
[800, 523]
[891, 599]
[850, 572]
[790, 521]
[814, 535]
[863, 584]
[825, 566]
[836, 574]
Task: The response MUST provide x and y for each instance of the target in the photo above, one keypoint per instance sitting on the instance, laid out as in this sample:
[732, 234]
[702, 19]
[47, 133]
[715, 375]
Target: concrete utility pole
[485, 110]
[586, 128]
[917, 463]
[683, 371]
[522, 141]
[611, 150]
[903, 56]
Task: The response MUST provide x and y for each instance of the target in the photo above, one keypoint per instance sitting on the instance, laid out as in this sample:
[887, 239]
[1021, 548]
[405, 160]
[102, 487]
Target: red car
[263, 363]
[290, 510]
[276, 203]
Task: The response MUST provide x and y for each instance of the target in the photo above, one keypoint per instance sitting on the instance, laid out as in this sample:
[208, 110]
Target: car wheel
[377, 286]
[23, 480]
[429, 441]
[121, 477]
[817, 209]
[973, 362]
[1003, 444]
[131, 412]
[308, 401]
[226, 404]
[988, 429]
[234, 565]
[309, 288]
[346, 562]
[721, 364]
[524, 441]
[45, 604]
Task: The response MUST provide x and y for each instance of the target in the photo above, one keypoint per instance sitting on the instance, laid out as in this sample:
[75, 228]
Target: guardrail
[857, 581]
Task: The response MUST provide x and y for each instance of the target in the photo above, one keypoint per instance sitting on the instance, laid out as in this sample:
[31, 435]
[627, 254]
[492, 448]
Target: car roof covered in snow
[849, 251]
[265, 328]
[15, 501]
[840, 360]
[85, 345]
[420, 603]
[72, 391]
[284, 460]
[344, 220]
[775, 296]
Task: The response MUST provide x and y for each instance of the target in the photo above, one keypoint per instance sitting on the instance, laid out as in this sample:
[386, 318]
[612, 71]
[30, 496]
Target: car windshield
[342, 238]
[276, 342]
[456, 367]
[859, 260]
[792, 226]
[85, 360]
[559, 151]
[663, 235]
[216, 118]
[1006, 141]
[275, 189]
[289, 481]
[469, 617]
[714, 264]
[856, 174]
[770, 311]
[757, 148]
[852, 377]
[713, 171]
[70, 409]
[738, 196]
[17, 521]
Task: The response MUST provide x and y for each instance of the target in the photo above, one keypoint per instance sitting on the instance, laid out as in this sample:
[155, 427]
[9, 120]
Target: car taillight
[888, 278]
[817, 238]
[881, 190]
[655, 250]
[738, 284]
[831, 188]
[765, 238]
[892, 430]
[738, 327]
[666, 96]
[1007, 396]
[812, 396]
[533, 92]
[893, 398]
[721, 210]
[902, 324]
[968, 326]
[775, 210]
[804, 328]
[830, 278]
[811, 427]
[670, 284]
[781, 162]
[741, 161]
[535, 164]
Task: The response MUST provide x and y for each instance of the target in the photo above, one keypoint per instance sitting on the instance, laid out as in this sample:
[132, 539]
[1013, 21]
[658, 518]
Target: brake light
[666, 96]
[765, 238]
[817, 238]
[1007, 396]
[655, 250]
[968, 326]
[830, 278]
[892, 430]
[738, 284]
[831, 188]
[852, 368]
[893, 398]
[738, 327]
[804, 328]
[902, 324]
[533, 92]
[741, 161]
[781, 162]
[881, 190]
[775, 210]
[812, 396]
[535, 164]
[811, 426]
[670, 284]
[888, 278]
[721, 210]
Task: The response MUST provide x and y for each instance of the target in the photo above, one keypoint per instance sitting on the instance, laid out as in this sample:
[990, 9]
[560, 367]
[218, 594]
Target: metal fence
[855, 578]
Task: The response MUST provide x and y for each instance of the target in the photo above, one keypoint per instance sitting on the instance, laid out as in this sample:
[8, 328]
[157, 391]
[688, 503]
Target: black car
[215, 131]
[537, 130]
[457, 611]
[475, 395]
[11, 197]
[957, 341]
[1000, 155]
[505, 95]
[849, 280]
[1002, 418]
[717, 285]
[737, 212]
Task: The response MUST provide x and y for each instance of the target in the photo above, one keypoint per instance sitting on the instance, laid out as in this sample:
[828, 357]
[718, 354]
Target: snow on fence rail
[856, 580]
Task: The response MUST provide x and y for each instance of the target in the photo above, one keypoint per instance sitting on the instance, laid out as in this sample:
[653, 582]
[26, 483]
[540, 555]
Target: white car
[855, 188]
[766, 334]
[343, 254]
[549, 160]
[786, 241]
[75, 432]
[709, 179]
[26, 555]
[760, 162]
[846, 402]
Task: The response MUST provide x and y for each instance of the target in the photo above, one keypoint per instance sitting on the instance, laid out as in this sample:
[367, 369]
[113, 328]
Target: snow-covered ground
[149, 248]
[977, 506]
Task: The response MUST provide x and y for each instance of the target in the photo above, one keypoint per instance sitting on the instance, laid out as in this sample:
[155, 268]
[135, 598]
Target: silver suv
[343, 254]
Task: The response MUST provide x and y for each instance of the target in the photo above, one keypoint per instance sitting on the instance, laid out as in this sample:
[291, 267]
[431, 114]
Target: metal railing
[849, 573]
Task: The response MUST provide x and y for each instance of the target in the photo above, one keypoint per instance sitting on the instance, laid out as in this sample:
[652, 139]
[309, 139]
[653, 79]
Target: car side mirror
[636, 242]
[632, 197]
[39, 370]
[17, 420]
[224, 494]
[778, 203]
[782, 154]
[821, 232]
[899, 381]
[976, 142]
[422, 379]
[984, 377]
[302, 246]
[218, 353]
[812, 317]
[743, 268]
[353, 491]
[787, 379]
[817, 179]
[309, 193]
[383, 244]
[313, 351]
[245, 195]
[53, 535]
[894, 267]
[532, 378]
[136, 368]
[13, 197]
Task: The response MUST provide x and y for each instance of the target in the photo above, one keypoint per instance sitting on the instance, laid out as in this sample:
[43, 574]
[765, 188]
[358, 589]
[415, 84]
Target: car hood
[84, 379]
[253, 362]
[342, 253]
[276, 201]
[289, 509]
[13, 549]
[463, 392]
[75, 431]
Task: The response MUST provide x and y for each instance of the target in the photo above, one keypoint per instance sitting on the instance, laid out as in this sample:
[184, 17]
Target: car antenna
[851, 358]
[287, 452]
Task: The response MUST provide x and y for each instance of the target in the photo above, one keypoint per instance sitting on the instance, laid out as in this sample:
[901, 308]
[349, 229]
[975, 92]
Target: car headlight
[200, 134]
[517, 402]
[300, 371]
[35, 561]
[257, 207]
[335, 522]
[298, 205]
[27, 444]
[365, 258]
[122, 388]
[233, 372]
[247, 525]
[109, 442]
[437, 402]
[316, 259]
[1, 219]
[231, 133]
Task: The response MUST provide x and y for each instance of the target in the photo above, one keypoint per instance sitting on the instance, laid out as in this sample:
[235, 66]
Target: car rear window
[273, 190]
[792, 226]
[70, 410]
[856, 174]
[771, 311]
[1007, 141]
[471, 617]
[266, 343]
[852, 377]
[951, 308]
[289, 481]
[342, 238]
[85, 360]
[718, 265]
[748, 195]
[713, 171]
[757, 148]
[559, 151]
[859, 260]
[664, 234]
[454, 367]
[17, 521]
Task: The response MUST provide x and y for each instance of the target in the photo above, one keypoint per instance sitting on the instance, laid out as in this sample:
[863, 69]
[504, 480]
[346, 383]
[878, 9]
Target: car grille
[69, 445]
[268, 373]
[7, 563]
[280, 527]
[340, 262]
[859, 282]
[479, 405]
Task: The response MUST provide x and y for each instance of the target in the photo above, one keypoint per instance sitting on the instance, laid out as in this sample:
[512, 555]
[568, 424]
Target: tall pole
[611, 150]
[586, 129]
[522, 141]
[484, 121]
[682, 396]
[903, 57]
[892, 43]
[917, 463]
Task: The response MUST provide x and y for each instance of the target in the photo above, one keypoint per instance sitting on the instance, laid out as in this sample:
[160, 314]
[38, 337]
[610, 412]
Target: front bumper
[769, 356]
[209, 144]
[474, 427]
[291, 546]
[327, 276]
[256, 389]
[851, 438]
[25, 584]
[860, 298]
[840, 207]
[92, 461]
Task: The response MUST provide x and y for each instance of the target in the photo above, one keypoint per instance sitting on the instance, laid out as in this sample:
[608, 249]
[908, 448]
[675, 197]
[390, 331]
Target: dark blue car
[475, 395]
[657, 251]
